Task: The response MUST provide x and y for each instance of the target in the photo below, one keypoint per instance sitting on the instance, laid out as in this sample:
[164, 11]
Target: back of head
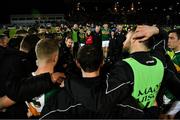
[150, 42]
[29, 42]
[15, 42]
[21, 32]
[45, 48]
[90, 58]
[32, 30]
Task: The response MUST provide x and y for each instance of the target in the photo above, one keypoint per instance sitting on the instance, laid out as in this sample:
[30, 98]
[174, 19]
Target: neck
[90, 74]
[138, 48]
[44, 69]
[177, 49]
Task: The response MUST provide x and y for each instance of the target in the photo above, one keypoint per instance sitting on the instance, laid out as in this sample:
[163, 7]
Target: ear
[37, 63]
[78, 65]
[132, 40]
[55, 57]
[102, 63]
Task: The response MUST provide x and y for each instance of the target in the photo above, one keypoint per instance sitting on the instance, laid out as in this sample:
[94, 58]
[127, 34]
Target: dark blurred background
[126, 11]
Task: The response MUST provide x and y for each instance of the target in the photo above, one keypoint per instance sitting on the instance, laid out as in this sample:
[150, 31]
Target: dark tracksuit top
[14, 65]
[65, 57]
[65, 105]
[97, 39]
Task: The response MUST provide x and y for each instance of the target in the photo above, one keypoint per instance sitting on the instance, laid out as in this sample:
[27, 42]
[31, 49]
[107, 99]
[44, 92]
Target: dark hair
[29, 42]
[32, 30]
[68, 37]
[150, 42]
[2, 36]
[15, 42]
[177, 31]
[49, 35]
[21, 31]
[90, 58]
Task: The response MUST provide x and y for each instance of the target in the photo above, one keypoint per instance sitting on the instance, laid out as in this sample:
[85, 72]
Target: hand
[166, 117]
[62, 84]
[5, 102]
[57, 77]
[144, 32]
[65, 65]
[3, 110]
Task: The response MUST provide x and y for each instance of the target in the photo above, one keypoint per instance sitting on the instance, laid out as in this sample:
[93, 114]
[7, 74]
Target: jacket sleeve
[160, 42]
[159, 50]
[116, 87]
[172, 83]
[30, 87]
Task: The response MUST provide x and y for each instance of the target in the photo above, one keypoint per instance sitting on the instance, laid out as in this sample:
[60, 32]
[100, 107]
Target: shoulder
[120, 74]
[122, 65]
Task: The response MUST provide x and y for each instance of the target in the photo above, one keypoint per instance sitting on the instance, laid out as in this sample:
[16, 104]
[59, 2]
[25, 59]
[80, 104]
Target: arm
[15, 93]
[33, 86]
[172, 83]
[25, 90]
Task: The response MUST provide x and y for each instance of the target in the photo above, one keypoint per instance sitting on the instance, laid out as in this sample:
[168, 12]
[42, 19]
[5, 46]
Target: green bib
[74, 36]
[170, 53]
[147, 81]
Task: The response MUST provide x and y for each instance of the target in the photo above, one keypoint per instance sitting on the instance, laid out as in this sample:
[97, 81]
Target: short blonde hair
[45, 48]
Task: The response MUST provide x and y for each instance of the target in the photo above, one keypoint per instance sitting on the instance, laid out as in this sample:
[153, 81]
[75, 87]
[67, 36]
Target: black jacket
[63, 105]
[97, 39]
[115, 50]
[65, 57]
[13, 67]
[66, 105]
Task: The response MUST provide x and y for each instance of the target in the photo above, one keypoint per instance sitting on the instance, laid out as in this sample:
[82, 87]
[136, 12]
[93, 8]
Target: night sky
[11, 7]
[149, 7]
